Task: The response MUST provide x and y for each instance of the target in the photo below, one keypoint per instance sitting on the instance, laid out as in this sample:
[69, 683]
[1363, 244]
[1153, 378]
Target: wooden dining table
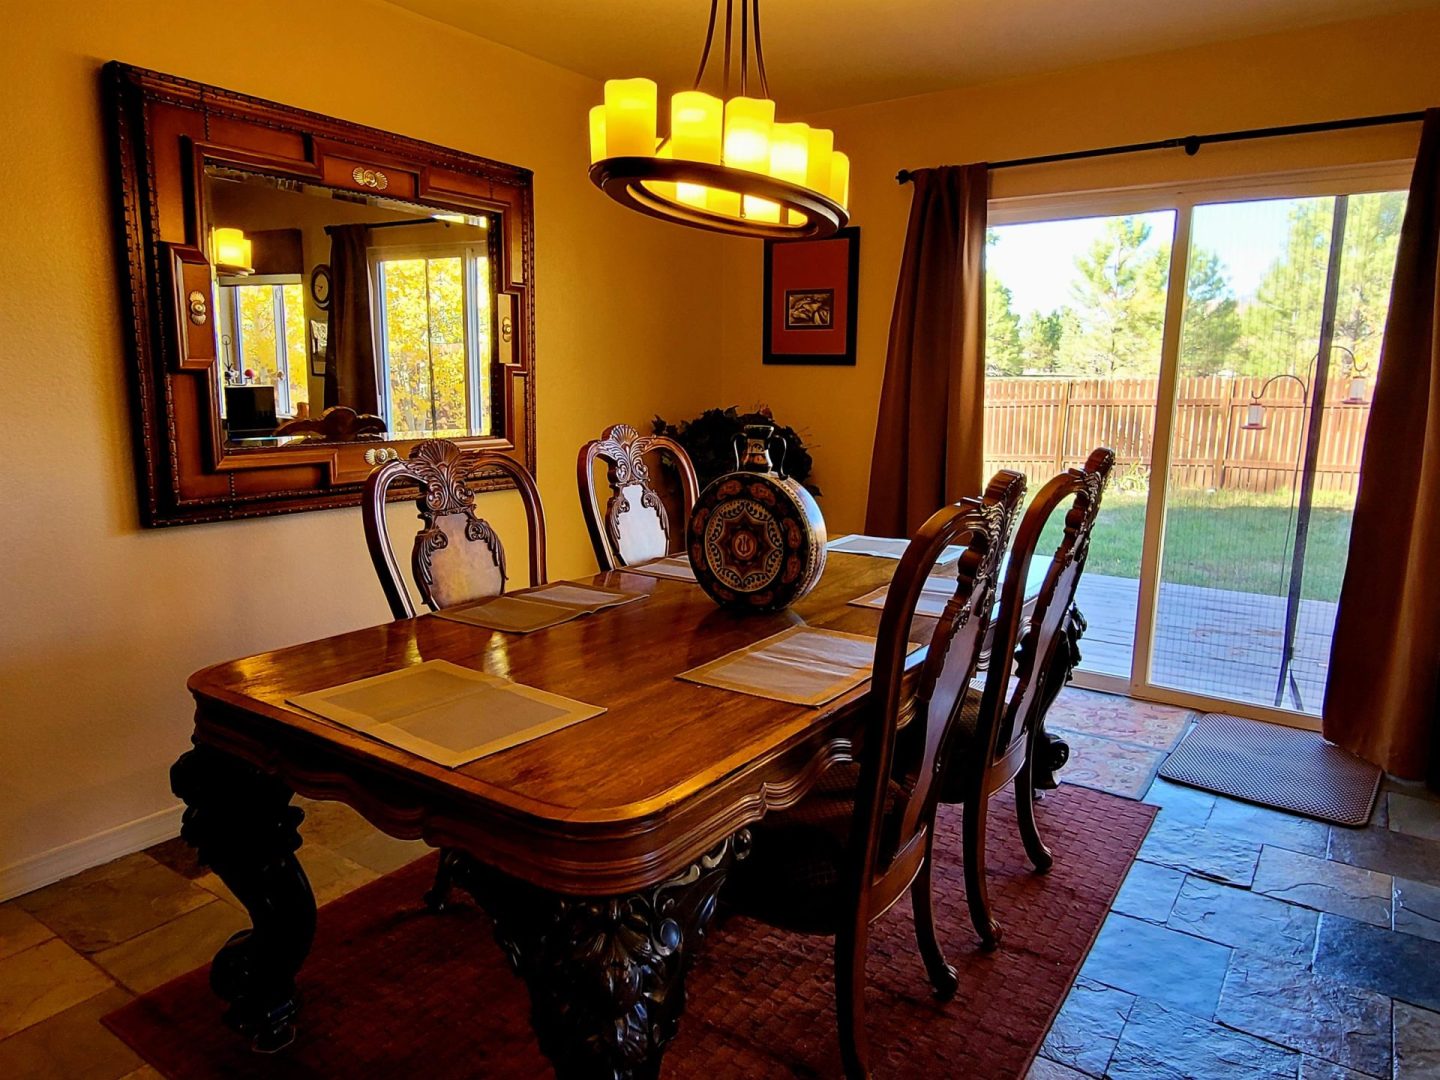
[598, 850]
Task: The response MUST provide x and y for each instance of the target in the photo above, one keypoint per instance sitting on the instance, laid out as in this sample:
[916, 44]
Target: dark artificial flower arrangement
[709, 439]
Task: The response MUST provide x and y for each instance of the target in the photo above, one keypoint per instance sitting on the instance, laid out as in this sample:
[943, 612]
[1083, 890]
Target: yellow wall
[101, 622]
[1348, 69]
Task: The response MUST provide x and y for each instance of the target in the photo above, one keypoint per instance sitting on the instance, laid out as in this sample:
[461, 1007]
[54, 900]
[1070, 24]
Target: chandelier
[726, 165]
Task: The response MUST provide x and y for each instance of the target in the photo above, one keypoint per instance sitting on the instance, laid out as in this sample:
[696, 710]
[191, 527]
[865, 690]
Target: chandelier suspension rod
[709, 39]
[760, 54]
[725, 74]
[744, 49]
[749, 16]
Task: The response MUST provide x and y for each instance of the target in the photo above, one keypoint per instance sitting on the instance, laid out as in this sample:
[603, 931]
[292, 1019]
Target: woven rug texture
[391, 991]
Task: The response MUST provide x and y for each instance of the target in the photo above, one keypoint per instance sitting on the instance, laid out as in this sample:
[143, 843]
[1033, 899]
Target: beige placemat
[801, 665]
[884, 547]
[445, 713]
[585, 597]
[537, 608]
[676, 567]
[934, 595]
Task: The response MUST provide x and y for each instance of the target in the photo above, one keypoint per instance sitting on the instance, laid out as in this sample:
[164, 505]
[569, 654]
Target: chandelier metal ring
[629, 180]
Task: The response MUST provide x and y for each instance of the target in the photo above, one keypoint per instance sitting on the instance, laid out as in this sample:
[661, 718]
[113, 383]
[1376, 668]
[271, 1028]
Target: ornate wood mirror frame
[164, 132]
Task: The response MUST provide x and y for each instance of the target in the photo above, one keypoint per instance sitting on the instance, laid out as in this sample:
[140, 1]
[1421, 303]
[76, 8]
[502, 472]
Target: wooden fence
[1041, 425]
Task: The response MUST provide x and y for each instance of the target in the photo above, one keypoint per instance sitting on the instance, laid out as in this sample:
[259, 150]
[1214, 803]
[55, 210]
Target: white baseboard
[50, 866]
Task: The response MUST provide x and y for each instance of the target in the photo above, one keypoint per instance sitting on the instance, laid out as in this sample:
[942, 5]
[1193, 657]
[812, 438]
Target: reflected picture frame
[810, 300]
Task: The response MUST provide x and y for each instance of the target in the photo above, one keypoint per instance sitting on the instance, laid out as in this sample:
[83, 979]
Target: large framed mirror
[309, 297]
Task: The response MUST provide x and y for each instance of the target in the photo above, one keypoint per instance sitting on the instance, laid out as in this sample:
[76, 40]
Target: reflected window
[266, 331]
[432, 312]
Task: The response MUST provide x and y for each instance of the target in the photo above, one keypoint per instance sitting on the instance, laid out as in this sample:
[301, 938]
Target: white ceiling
[824, 54]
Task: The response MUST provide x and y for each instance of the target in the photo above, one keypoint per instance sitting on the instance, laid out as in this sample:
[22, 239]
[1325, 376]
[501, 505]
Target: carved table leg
[606, 975]
[240, 821]
[1054, 752]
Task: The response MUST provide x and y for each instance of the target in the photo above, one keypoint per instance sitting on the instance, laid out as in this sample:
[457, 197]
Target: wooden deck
[1208, 641]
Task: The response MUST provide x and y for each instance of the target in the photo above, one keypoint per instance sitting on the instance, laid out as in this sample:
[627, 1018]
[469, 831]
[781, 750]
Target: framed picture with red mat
[810, 292]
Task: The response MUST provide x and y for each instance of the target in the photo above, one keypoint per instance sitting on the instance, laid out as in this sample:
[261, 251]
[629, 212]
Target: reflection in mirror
[327, 298]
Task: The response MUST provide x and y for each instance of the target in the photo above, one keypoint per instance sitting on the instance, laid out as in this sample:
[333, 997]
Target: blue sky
[1037, 262]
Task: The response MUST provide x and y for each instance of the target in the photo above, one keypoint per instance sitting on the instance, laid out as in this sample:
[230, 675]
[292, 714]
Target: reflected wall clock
[320, 286]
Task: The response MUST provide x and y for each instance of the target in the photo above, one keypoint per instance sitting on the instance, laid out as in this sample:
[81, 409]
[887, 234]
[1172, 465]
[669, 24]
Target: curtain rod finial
[903, 176]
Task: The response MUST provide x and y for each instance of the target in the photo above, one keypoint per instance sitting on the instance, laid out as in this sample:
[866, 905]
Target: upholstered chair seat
[793, 877]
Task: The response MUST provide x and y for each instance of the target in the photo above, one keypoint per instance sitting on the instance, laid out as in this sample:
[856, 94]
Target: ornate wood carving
[339, 423]
[241, 823]
[623, 450]
[163, 130]
[893, 799]
[1009, 725]
[606, 974]
[443, 473]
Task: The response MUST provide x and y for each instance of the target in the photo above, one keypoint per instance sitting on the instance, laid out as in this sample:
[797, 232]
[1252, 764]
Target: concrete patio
[1208, 641]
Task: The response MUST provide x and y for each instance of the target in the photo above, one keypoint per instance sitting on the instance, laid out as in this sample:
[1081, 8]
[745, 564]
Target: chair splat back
[1039, 637]
[457, 555]
[633, 526]
[896, 848]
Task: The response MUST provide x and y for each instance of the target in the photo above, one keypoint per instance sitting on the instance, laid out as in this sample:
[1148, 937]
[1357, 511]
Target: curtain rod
[1191, 143]
[397, 224]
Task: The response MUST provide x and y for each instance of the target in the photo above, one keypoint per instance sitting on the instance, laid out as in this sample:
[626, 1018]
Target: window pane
[447, 344]
[258, 342]
[1255, 541]
[1075, 311]
[483, 349]
[425, 334]
[296, 345]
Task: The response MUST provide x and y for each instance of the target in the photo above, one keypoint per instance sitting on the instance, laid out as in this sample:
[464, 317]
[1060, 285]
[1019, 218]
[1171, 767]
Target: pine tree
[1211, 326]
[1119, 303]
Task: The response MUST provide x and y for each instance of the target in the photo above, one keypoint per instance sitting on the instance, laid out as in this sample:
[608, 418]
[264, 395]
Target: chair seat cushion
[965, 726]
[964, 732]
[793, 877]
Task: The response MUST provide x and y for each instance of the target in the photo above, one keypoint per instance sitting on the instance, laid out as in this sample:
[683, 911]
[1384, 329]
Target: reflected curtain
[350, 347]
[929, 438]
[1383, 697]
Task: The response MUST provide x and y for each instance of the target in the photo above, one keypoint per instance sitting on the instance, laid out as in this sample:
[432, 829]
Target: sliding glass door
[1279, 343]
[1224, 344]
[1075, 311]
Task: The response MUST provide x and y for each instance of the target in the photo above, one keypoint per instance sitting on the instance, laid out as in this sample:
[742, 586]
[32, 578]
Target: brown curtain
[1383, 698]
[350, 347]
[929, 440]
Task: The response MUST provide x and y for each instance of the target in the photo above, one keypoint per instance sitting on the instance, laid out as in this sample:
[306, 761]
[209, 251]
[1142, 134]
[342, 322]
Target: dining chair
[632, 527]
[457, 555]
[995, 739]
[845, 854]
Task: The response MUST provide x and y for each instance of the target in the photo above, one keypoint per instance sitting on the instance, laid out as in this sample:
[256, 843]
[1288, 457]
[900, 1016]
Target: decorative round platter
[757, 541]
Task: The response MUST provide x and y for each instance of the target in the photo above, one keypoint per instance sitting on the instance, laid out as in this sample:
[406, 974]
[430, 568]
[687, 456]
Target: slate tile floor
[1251, 943]
[1244, 943]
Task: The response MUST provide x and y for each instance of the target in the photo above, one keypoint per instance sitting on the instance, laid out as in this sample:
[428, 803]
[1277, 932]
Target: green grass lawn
[1225, 540]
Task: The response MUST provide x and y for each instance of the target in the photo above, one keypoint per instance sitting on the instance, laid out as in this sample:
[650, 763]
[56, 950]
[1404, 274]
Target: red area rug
[391, 991]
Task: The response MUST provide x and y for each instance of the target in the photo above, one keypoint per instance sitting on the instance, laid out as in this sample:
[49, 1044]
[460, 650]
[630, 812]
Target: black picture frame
[849, 282]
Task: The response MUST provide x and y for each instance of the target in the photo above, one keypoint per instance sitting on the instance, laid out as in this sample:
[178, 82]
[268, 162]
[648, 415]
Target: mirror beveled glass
[418, 310]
